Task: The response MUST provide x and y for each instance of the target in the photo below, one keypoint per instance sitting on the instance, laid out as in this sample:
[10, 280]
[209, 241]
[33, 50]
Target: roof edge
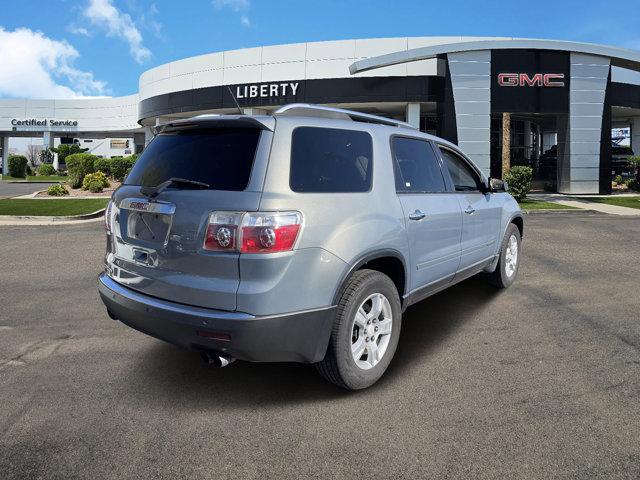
[620, 57]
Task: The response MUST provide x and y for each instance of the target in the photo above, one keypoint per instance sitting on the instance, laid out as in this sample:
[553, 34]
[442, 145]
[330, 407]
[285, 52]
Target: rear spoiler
[217, 121]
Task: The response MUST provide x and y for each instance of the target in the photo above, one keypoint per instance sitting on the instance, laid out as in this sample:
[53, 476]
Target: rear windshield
[330, 160]
[221, 158]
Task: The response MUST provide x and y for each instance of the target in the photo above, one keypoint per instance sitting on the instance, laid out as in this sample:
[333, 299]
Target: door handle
[469, 210]
[417, 215]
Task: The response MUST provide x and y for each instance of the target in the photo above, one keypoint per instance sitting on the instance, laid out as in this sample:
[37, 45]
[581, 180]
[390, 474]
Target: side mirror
[497, 185]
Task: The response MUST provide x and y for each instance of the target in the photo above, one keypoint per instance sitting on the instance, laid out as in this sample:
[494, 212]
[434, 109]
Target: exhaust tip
[217, 360]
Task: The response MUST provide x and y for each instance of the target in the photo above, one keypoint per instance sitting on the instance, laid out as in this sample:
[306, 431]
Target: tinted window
[463, 176]
[221, 157]
[330, 160]
[416, 166]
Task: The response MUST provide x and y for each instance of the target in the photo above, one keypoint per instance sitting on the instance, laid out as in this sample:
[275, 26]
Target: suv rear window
[220, 157]
[330, 160]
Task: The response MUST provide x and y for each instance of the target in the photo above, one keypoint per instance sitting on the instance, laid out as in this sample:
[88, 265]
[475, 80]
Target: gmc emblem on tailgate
[537, 80]
[139, 206]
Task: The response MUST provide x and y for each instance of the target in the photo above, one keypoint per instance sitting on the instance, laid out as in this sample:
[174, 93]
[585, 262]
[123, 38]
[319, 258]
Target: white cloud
[78, 30]
[238, 6]
[35, 66]
[235, 5]
[104, 15]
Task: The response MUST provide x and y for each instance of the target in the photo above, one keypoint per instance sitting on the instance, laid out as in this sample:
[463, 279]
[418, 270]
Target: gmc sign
[537, 80]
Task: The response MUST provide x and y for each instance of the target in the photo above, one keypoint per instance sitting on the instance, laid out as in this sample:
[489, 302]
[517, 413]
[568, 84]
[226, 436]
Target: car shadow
[165, 373]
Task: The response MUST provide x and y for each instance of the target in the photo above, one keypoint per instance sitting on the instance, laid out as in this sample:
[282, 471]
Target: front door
[432, 215]
[481, 215]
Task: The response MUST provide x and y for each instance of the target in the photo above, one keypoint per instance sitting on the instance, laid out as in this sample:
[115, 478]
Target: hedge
[78, 166]
[18, 166]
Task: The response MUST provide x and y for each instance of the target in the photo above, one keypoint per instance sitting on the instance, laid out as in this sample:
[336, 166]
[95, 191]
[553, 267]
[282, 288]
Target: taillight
[270, 232]
[222, 231]
[254, 232]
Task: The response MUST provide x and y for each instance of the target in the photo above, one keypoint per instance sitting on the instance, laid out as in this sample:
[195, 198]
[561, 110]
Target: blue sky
[66, 48]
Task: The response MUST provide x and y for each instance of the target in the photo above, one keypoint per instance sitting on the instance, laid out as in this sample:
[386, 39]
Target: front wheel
[365, 332]
[507, 269]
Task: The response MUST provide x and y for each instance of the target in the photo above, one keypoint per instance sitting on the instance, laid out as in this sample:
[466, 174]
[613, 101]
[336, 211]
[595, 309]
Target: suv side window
[416, 166]
[330, 160]
[464, 177]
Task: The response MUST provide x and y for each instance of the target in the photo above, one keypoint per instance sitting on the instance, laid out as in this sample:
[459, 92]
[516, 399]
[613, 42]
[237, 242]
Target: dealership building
[564, 98]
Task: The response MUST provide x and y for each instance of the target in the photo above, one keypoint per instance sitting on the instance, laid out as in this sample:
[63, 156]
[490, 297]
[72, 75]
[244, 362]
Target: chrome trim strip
[144, 205]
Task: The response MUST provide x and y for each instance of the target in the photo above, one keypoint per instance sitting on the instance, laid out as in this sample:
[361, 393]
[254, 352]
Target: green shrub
[67, 149]
[617, 179]
[119, 167]
[79, 165]
[17, 166]
[93, 181]
[103, 165]
[57, 190]
[632, 184]
[519, 181]
[46, 169]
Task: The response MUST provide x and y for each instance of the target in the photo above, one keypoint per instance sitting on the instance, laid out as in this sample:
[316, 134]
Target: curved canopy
[620, 57]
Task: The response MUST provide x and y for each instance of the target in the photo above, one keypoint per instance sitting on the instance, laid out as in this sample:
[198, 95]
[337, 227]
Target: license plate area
[146, 223]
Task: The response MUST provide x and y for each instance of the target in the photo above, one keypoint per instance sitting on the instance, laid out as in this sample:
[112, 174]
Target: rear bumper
[292, 337]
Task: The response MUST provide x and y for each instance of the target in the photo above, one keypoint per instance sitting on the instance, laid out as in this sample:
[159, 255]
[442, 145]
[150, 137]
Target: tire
[365, 289]
[505, 273]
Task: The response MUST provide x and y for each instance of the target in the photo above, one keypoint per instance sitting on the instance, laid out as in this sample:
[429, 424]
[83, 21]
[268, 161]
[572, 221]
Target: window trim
[331, 128]
[395, 165]
[442, 146]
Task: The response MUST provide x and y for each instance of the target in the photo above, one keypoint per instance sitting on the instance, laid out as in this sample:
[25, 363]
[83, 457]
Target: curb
[547, 211]
[45, 220]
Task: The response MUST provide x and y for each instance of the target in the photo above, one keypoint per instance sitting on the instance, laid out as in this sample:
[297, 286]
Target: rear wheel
[365, 332]
[507, 270]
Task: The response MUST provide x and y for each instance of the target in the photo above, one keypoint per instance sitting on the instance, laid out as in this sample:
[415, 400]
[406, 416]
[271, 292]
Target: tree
[506, 143]
[634, 164]
[46, 155]
[33, 154]
[65, 150]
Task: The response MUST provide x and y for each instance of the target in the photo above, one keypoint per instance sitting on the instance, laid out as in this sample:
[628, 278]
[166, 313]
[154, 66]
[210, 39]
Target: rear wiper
[153, 192]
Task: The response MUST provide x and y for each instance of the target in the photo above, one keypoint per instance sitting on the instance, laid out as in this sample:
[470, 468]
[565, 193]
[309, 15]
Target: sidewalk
[583, 203]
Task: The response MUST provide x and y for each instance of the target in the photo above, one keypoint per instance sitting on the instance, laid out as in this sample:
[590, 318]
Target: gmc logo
[537, 80]
[139, 206]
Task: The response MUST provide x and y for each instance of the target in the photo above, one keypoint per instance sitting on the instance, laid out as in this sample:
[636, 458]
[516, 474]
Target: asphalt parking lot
[11, 189]
[539, 381]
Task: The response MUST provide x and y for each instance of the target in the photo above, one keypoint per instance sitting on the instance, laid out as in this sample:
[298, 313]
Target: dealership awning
[620, 57]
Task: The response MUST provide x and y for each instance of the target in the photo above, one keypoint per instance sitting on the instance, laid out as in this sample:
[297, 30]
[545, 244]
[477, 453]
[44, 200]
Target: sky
[79, 48]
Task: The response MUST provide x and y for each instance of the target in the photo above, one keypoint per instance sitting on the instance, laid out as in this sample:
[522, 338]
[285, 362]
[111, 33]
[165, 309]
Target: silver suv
[299, 237]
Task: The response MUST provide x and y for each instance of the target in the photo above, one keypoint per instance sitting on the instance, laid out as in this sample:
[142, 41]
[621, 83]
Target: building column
[412, 116]
[579, 169]
[47, 142]
[471, 85]
[4, 145]
[635, 135]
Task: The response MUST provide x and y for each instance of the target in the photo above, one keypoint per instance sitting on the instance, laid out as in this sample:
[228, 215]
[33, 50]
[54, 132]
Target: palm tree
[506, 143]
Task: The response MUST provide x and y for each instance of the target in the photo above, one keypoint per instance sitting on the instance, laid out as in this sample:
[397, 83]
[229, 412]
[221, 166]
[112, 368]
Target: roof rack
[309, 110]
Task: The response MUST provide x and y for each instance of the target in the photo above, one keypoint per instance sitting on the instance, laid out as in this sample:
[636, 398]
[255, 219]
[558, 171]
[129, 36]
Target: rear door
[481, 215]
[432, 215]
[157, 241]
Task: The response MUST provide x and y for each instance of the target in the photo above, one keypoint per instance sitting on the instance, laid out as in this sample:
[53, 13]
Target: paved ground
[584, 203]
[8, 189]
[537, 382]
